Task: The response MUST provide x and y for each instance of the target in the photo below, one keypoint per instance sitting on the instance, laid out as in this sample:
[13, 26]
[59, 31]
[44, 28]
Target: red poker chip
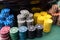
[7, 28]
[4, 36]
[3, 32]
[7, 38]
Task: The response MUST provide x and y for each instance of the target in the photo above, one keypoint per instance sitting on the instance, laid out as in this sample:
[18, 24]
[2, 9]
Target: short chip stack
[22, 32]
[5, 33]
[14, 33]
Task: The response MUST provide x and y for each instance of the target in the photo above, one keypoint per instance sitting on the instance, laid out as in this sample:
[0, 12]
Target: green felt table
[53, 35]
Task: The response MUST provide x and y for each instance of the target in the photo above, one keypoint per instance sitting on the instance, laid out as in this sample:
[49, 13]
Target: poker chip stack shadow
[4, 33]
[14, 33]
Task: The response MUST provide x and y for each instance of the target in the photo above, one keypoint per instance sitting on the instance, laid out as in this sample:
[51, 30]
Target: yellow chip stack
[43, 13]
[44, 19]
[40, 20]
[48, 16]
[36, 16]
[47, 25]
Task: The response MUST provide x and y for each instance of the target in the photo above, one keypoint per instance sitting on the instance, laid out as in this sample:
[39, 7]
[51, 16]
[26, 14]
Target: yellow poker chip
[40, 20]
[48, 16]
[43, 13]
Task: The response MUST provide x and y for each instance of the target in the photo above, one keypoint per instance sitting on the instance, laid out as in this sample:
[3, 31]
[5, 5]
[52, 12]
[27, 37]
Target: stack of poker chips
[24, 12]
[30, 22]
[4, 33]
[20, 20]
[5, 12]
[6, 18]
[24, 17]
[22, 32]
[9, 20]
[39, 30]
[30, 16]
[14, 33]
[31, 32]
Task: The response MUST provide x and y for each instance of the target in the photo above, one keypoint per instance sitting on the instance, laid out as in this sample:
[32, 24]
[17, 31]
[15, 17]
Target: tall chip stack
[9, 20]
[20, 20]
[2, 17]
[24, 18]
[14, 33]
[35, 17]
[30, 16]
[5, 12]
[20, 17]
[30, 22]
[4, 33]
[6, 18]
[47, 25]
[24, 12]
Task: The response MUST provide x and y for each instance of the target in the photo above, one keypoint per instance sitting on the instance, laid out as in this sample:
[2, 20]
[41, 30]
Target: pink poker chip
[5, 30]
[4, 36]
[7, 38]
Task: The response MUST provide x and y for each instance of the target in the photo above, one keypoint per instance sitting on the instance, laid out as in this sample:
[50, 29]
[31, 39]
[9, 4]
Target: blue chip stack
[2, 17]
[8, 23]
[5, 12]
[9, 20]
[6, 18]
[10, 17]
[22, 32]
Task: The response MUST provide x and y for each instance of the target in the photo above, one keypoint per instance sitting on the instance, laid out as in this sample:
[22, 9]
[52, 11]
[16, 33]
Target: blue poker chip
[22, 32]
[22, 29]
[10, 17]
[5, 12]
[2, 17]
[8, 23]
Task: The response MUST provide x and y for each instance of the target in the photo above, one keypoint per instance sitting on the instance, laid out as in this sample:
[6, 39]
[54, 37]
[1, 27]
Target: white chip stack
[24, 17]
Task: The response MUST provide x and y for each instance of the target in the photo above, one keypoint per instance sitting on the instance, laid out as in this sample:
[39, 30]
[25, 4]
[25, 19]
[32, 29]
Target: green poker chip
[14, 33]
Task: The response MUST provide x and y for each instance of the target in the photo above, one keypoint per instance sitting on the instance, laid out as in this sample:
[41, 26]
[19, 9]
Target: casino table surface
[53, 35]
